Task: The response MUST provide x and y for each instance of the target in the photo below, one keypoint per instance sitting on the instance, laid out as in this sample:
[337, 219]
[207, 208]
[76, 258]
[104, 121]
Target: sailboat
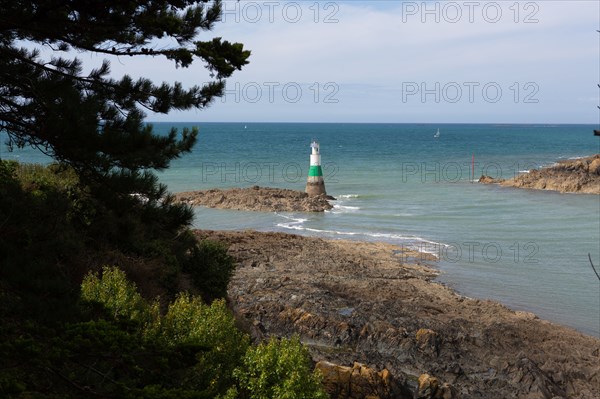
[437, 134]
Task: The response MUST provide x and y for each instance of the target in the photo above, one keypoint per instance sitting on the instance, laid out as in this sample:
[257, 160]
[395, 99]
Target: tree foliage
[88, 119]
[91, 122]
[104, 339]
[279, 369]
[119, 345]
[209, 331]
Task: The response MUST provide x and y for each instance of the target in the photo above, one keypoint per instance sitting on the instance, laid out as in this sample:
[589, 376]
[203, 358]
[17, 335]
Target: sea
[397, 183]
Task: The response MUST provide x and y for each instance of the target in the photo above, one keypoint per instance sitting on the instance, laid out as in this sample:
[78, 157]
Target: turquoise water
[397, 183]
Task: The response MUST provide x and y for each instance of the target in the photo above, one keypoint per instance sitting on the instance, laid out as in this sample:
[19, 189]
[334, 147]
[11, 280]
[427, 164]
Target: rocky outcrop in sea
[568, 176]
[257, 198]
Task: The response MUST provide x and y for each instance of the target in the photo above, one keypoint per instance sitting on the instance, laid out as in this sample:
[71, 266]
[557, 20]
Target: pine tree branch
[85, 389]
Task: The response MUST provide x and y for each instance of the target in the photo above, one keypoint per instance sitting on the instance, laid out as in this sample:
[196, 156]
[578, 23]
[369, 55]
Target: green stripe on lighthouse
[315, 170]
[315, 185]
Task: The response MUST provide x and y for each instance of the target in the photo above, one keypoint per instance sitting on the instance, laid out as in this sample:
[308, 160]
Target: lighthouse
[315, 185]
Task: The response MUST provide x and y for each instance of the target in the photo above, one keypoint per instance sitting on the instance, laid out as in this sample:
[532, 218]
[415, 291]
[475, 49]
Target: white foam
[348, 196]
[346, 207]
[582, 157]
[415, 242]
[337, 209]
[294, 223]
[295, 220]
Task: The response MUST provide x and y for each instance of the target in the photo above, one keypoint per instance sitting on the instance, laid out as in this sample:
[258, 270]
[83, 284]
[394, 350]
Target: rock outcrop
[489, 180]
[359, 381]
[430, 388]
[569, 176]
[257, 199]
[356, 302]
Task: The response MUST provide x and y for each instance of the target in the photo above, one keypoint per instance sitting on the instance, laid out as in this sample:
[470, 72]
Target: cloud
[363, 54]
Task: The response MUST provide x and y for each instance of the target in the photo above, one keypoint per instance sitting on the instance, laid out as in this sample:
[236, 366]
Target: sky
[400, 62]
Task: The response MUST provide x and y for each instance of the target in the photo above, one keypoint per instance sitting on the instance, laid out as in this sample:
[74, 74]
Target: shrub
[118, 295]
[211, 268]
[211, 328]
[279, 369]
[189, 326]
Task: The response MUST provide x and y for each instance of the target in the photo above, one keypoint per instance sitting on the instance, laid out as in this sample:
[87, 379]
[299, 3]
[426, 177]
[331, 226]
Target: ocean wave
[292, 220]
[348, 196]
[412, 242]
[337, 209]
[582, 157]
[572, 157]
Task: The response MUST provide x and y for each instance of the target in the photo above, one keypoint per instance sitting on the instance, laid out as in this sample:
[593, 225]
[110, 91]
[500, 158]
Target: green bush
[112, 342]
[189, 325]
[119, 296]
[211, 328]
[211, 268]
[279, 369]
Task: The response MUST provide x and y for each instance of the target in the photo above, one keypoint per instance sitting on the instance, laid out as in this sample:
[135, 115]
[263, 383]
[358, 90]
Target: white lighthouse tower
[315, 185]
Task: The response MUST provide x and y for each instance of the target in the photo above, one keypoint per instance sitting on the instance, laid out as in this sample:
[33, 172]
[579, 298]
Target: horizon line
[393, 123]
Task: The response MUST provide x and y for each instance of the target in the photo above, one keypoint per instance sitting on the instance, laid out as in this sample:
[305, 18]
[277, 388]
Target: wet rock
[489, 180]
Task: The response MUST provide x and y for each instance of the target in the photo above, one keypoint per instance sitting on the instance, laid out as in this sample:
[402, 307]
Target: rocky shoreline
[568, 176]
[380, 327]
[257, 198]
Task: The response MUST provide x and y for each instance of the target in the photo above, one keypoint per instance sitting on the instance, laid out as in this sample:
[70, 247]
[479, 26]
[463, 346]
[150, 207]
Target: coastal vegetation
[65, 334]
[104, 290]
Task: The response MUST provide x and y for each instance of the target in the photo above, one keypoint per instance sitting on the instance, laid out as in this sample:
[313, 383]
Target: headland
[566, 176]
